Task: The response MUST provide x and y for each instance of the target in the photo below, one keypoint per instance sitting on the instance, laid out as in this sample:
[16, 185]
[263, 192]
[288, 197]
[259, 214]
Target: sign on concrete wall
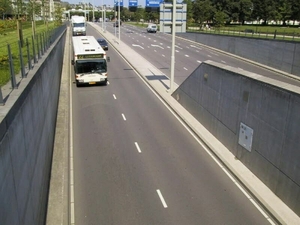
[246, 136]
[166, 12]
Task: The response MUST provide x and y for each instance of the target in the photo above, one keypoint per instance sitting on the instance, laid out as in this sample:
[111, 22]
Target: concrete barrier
[223, 99]
[27, 126]
[281, 55]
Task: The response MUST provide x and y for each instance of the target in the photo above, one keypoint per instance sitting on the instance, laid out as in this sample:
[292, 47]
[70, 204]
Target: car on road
[103, 43]
[152, 28]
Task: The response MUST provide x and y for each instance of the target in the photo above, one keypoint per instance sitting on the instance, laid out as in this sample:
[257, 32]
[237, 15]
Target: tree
[151, 16]
[19, 8]
[295, 8]
[5, 8]
[245, 10]
[284, 10]
[227, 7]
[126, 14]
[138, 15]
[58, 14]
[202, 11]
[265, 10]
[33, 8]
[189, 9]
[220, 19]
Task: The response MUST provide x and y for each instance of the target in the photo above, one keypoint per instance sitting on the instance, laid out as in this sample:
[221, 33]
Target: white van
[152, 28]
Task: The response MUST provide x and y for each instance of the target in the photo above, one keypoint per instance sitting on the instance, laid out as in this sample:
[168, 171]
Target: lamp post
[115, 14]
[119, 26]
[102, 15]
[104, 18]
[93, 12]
[173, 47]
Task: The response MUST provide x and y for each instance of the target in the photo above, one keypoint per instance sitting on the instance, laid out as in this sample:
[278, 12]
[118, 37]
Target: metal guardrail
[23, 55]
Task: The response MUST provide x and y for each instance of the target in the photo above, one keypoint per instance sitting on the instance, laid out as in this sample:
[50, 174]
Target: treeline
[29, 11]
[221, 12]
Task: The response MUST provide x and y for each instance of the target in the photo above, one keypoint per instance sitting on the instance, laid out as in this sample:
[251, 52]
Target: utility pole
[119, 20]
[173, 47]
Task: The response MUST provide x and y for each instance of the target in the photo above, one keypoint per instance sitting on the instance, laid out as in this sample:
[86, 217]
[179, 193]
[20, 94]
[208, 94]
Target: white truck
[89, 61]
[78, 25]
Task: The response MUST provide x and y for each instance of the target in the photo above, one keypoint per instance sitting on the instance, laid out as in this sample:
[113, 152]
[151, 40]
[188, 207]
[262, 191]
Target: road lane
[138, 35]
[115, 184]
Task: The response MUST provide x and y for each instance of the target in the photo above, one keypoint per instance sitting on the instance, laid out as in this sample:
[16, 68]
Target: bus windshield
[91, 66]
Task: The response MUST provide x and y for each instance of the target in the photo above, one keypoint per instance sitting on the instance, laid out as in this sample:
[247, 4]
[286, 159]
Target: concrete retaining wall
[221, 98]
[281, 55]
[27, 127]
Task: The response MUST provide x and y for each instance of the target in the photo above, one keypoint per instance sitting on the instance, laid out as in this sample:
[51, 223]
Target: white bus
[89, 60]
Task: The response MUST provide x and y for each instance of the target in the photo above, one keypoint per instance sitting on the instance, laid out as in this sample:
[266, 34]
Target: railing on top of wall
[23, 55]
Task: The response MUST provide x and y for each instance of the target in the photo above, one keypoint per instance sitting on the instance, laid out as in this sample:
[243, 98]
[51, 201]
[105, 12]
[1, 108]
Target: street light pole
[173, 47]
[93, 12]
[115, 22]
[102, 16]
[119, 20]
[84, 7]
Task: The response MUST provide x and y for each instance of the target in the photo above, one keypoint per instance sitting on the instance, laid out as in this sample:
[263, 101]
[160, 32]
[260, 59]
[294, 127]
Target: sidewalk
[153, 77]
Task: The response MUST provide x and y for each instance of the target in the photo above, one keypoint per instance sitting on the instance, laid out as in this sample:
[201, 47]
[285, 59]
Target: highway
[156, 47]
[134, 160]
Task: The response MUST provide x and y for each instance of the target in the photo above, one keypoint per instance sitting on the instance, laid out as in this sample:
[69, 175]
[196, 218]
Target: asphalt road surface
[135, 162]
[156, 48]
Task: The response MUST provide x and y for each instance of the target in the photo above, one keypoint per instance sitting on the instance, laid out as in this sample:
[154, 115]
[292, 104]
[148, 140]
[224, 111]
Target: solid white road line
[162, 198]
[72, 202]
[137, 146]
[124, 118]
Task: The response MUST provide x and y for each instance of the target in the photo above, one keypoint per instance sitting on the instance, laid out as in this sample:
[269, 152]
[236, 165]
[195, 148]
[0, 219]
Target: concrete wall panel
[227, 97]
[282, 55]
[9, 213]
[296, 60]
[291, 196]
[275, 107]
[270, 142]
[228, 113]
[5, 161]
[27, 125]
[291, 154]
[17, 148]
